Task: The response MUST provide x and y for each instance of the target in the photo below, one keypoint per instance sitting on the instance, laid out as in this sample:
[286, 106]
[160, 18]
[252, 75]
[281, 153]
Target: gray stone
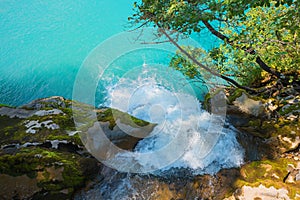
[249, 106]
[16, 112]
[52, 102]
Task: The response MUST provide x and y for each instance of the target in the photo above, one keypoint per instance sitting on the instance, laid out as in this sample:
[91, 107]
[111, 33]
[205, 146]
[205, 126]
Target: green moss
[110, 115]
[5, 105]
[267, 125]
[65, 122]
[107, 116]
[265, 172]
[139, 122]
[6, 121]
[255, 123]
[67, 111]
[236, 94]
[72, 176]
[206, 102]
[18, 164]
[273, 128]
[286, 128]
[293, 109]
[14, 130]
[27, 161]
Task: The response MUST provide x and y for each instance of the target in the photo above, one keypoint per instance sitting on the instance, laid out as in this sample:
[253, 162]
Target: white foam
[176, 112]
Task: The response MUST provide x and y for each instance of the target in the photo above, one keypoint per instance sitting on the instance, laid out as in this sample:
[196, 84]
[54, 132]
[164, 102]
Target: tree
[259, 39]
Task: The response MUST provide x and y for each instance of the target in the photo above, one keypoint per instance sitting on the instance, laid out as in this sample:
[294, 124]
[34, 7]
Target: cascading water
[178, 116]
[187, 141]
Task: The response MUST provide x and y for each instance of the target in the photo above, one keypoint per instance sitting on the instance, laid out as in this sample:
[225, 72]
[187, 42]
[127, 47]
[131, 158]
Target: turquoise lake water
[43, 43]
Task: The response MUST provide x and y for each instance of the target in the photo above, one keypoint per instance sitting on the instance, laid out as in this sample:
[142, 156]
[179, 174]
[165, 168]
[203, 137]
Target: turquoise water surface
[43, 43]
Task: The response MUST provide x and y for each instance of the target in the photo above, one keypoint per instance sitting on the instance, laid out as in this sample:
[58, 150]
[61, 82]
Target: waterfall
[186, 136]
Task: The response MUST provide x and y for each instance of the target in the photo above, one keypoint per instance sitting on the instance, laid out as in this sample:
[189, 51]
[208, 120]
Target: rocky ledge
[269, 130]
[41, 153]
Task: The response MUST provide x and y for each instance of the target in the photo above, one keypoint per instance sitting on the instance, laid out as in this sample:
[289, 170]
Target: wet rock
[35, 125]
[36, 147]
[59, 172]
[48, 112]
[256, 147]
[117, 185]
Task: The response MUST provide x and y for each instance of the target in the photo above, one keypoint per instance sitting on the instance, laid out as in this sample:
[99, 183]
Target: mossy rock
[58, 172]
[13, 130]
[268, 173]
[235, 94]
[206, 102]
[6, 121]
[51, 102]
[208, 97]
[282, 127]
[111, 115]
[54, 170]
[5, 105]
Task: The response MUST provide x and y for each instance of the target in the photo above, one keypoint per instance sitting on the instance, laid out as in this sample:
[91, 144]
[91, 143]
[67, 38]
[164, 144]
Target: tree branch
[258, 60]
[227, 79]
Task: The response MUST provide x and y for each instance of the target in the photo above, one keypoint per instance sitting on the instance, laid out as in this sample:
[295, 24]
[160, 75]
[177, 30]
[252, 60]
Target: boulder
[249, 106]
[41, 152]
[262, 193]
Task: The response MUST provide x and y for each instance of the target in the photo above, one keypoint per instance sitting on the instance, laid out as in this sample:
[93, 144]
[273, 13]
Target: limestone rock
[249, 106]
[51, 102]
[262, 192]
[41, 151]
[16, 112]
[25, 113]
[289, 143]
